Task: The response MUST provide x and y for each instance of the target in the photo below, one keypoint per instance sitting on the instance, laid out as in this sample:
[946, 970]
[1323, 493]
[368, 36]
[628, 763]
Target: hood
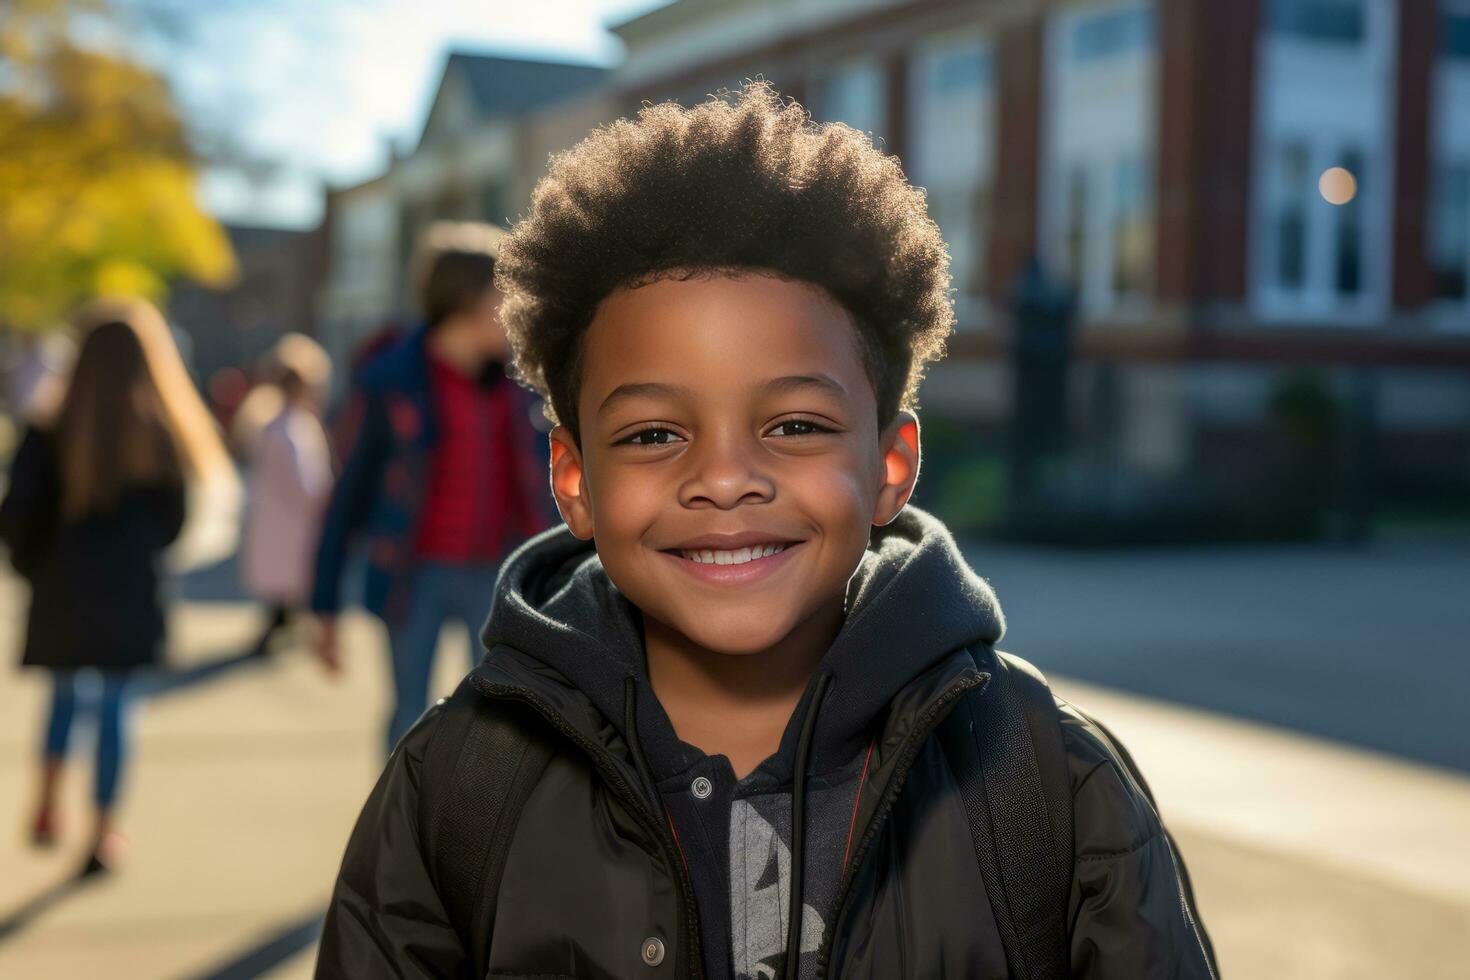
[912, 601]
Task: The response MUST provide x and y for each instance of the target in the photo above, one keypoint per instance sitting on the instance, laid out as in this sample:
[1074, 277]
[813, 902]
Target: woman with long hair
[95, 499]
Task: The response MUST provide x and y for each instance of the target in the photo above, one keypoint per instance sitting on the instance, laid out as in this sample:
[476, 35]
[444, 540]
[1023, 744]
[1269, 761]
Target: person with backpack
[96, 496]
[743, 715]
[442, 469]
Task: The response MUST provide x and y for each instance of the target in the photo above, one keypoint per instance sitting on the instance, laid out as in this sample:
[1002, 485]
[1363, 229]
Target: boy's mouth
[744, 551]
[738, 557]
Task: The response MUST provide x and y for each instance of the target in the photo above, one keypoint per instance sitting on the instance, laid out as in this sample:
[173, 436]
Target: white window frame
[975, 139]
[1449, 143]
[1120, 124]
[1332, 98]
[874, 70]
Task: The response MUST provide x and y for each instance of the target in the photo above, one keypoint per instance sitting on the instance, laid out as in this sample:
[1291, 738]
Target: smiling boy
[742, 717]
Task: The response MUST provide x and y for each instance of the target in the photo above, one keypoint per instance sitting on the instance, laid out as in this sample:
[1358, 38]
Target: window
[1076, 225]
[1454, 33]
[493, 203]
[1291, 217]
[1321, 246]
[1447, 206]
[854, 93]
[1317, 252]
[959, 71]
[1097, 226]
[1326, 21]
[1348, 255]
[950, 149]
[1454, 29]
[1132, 228]
[1449, 230]
[1111, 32]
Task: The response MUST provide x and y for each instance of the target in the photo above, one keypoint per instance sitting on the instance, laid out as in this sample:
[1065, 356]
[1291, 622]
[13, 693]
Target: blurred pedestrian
[444, 471]
[290, 481]
[95, 497]
[262, 405]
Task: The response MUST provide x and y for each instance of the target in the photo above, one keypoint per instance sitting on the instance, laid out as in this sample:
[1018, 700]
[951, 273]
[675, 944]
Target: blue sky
[321, 88]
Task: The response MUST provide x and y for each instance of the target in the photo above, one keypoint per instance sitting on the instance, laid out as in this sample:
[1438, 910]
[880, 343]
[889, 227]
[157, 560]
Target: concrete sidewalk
[238, 804]
[1310, 860]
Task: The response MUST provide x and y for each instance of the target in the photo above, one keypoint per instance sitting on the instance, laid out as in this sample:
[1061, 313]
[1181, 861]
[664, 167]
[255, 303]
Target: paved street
[1369, 646]
[1312, 858]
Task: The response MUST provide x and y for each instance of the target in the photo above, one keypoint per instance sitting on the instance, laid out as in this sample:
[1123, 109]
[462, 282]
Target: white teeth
[737, 557]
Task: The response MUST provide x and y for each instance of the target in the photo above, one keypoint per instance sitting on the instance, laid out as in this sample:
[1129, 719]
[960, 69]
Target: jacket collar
[912, 714]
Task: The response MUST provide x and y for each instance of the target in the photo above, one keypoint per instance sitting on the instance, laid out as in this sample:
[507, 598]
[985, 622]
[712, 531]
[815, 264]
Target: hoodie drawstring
[798, 831]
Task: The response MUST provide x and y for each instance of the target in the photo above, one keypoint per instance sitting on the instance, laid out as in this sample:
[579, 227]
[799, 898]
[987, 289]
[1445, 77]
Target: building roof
[504, 86]
[663, 17]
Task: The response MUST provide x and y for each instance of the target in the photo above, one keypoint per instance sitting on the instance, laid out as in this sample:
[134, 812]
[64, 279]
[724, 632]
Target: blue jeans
[441, 592]
[112, 728]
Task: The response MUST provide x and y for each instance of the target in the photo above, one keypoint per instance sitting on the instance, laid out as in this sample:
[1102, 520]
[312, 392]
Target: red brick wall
[1207, 68]
[1018, 50]
[1413, 283]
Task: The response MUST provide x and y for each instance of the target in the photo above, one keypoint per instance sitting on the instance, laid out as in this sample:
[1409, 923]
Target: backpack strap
[1005, 745]
[479, 769]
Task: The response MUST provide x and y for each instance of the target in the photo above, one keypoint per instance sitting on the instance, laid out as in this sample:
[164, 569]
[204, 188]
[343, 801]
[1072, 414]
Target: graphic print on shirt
[760, 890]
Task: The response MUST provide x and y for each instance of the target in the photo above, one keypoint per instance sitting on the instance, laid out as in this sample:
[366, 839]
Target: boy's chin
[736, 639]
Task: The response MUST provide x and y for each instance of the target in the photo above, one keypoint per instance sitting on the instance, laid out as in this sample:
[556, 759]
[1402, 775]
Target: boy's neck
[736, 705]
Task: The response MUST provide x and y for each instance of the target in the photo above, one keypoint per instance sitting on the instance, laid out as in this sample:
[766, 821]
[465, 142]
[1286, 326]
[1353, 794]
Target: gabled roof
[661, 17]
[504, 86]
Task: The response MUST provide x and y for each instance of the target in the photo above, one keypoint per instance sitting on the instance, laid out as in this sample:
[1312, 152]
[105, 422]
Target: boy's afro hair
[742, 182]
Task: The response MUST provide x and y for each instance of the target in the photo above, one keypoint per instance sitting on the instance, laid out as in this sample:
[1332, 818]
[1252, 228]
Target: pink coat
[290, 481]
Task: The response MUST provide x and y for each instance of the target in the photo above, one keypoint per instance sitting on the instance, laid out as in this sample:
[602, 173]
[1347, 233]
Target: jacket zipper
[635, 802]
[925, 727]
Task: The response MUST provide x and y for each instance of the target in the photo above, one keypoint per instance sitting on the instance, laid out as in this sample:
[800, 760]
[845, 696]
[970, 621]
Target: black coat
[95, 580]
[591, 874]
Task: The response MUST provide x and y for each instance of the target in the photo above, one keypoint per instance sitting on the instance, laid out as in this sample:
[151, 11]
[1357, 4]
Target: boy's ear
[900, 446]
[568, 484]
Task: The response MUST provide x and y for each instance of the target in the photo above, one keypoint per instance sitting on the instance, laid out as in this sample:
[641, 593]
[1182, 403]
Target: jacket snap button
[653, 951]
[702, 788]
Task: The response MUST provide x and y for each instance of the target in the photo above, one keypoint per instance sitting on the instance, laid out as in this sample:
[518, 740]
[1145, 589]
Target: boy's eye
[649, 437]
[798, 427]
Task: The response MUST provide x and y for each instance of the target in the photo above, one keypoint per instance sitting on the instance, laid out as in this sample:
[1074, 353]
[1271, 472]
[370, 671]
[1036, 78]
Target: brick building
[1235, 333]
[1162, 157]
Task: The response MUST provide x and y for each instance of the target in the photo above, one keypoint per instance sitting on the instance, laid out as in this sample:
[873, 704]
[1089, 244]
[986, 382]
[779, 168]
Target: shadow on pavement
[33, 908]
[166, 681]
[213, 583]
[274, 950]
[154, 684]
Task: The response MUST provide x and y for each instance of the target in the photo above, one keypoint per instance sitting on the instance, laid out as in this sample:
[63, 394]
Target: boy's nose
[724, 475]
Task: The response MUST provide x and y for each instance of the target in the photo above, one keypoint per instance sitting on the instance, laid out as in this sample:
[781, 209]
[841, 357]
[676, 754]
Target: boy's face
[723, 419]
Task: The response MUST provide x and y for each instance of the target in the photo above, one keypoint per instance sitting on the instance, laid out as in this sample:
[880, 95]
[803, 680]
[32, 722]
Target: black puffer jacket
[598, 867]
[97, 588]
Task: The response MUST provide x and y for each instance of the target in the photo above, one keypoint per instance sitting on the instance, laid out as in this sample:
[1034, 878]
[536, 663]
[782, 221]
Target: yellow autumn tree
[97, 180]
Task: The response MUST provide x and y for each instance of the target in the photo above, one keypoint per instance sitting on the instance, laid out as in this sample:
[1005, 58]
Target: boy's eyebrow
[658, 389]
[643, 389]
[796, 382]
